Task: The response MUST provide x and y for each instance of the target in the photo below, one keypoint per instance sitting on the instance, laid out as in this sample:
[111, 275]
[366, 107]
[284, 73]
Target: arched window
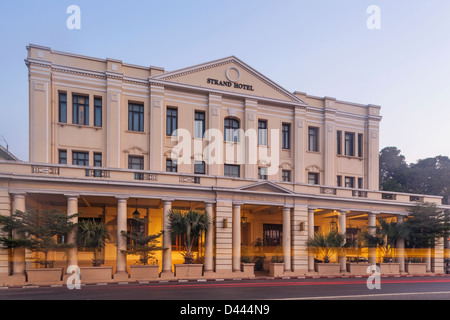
[231, 130]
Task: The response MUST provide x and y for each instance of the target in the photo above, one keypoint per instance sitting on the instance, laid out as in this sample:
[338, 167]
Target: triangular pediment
[266, 186]
[229, 75]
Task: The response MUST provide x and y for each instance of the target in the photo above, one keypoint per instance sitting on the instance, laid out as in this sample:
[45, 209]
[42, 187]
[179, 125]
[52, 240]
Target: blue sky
[320, 47]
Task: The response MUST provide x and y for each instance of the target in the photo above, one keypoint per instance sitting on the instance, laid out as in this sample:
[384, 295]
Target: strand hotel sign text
[233, 75]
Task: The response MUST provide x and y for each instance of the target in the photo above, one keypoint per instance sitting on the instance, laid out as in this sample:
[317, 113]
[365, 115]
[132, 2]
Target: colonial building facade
[108, 138]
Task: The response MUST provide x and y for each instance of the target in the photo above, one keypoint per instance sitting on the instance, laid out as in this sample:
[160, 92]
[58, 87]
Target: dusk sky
[322, 47]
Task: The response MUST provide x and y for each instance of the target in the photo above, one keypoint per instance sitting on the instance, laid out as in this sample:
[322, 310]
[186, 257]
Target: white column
[121, 263]
[18, 253]
[342, 230]
[310, 236]
[72, 208]
[209, 239]
[400, 244]
[372, 231]
[287, 238]
[236, 248]
[167, 237]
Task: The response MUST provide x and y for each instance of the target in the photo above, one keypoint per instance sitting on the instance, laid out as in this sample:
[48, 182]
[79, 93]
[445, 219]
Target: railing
[22, 169]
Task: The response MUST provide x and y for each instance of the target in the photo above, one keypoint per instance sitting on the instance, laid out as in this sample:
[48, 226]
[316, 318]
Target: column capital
[209, 204]
[122, 198]
[168, 200]
[237, 204]
[18, 193]
[71, 195]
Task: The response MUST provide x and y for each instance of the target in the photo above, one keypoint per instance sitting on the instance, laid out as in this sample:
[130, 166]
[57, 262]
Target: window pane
[262, 133]
[313, 143]
[286, 135]
[199, 124]
[349, 144]
[199, 167]
[98, 112]
[62, 107]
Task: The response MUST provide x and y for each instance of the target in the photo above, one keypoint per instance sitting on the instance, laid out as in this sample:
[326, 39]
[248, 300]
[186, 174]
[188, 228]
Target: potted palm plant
[41, 232]
[93, 235]
[190, 226]
[326, 246]
[144, 246]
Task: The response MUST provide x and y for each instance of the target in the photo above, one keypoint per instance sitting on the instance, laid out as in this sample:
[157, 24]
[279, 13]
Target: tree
[430, 176]
[190, 226]
[425, 224]
[393, 170]
[142, 244]
[37, 231]
[93, 234]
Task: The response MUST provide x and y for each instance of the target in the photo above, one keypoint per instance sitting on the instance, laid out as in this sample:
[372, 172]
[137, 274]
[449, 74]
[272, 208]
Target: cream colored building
[262, 161]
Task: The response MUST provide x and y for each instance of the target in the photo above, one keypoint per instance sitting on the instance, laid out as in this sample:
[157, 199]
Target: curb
[33, 286]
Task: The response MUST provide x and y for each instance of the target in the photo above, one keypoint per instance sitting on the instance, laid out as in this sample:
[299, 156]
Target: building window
[360, 183]
[286, 136]
[63, 107]
[262, 132]
[349, 182]
[286, 175]
[313, 139]
[171, 165]
[360, 145]
[272, 235]
[80, 158]
[62, 156]
[135, 227]
[199, 167]
[262, 173]
[80, 110]
[199, 124]
[136, 117]
[97, 163]
[231, 170]
[339, 142]
[98, 112]
[171, 121]
[231, 130]
[349, 144]
[313, 178]
[136, 163]
[97, 160]
[339, 181]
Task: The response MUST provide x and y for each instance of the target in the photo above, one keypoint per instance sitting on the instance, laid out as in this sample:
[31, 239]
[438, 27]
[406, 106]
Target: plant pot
[416, 268]
[96, 274]
[44, 276]
[188, 270]
[328, 268]
[389, 268]
[276, 269]
[248, 269]
[358, 268]
[144, 272]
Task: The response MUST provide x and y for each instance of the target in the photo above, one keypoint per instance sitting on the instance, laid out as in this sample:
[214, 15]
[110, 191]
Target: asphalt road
[233, 296]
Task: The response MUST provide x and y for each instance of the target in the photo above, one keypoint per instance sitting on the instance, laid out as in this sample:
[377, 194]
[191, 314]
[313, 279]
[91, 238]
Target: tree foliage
[429, 176]
[37, 231]
[325, 245]
[93, 234]
[190, 226]
[142, 244]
